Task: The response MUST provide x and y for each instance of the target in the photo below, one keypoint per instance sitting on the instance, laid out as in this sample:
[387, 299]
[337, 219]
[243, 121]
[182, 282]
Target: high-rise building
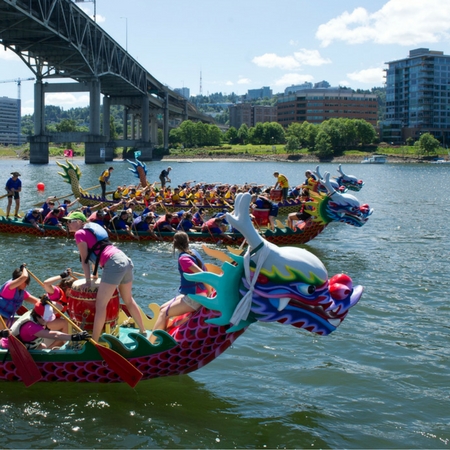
[10, 132]
[417, 97]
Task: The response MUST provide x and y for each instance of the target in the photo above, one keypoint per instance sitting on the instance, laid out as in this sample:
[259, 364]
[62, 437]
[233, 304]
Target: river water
[379, 381]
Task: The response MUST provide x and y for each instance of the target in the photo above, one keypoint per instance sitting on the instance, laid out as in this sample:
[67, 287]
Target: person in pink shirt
[117, 269]
[13, 293]
[32, 328]
[189, 261]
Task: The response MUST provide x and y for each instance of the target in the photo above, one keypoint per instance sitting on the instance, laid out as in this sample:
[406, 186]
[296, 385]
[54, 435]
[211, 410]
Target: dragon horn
[341, 171]
[240, 219]
[317, 173]
[326, 182]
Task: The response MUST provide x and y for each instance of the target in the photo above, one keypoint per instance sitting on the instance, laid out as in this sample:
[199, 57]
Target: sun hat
[15, 174]
[75, 215]
[45, 311]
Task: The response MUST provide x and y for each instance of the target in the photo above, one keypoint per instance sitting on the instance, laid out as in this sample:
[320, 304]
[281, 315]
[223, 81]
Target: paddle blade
[130, 374]
[25, 364]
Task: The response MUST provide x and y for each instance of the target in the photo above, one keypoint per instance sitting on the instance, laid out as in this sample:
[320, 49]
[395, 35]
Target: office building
[10, 132]
[255, 94]
[251, 115]
[320, 103]
[417, 97]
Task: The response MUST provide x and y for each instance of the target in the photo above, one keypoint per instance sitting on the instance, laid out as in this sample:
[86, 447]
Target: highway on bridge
[56, 39]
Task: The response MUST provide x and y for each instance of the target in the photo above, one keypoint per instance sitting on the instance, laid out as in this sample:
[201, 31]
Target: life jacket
[95, 252]
[161, 222]
[8, 307]
[19, 323]
[29, 216]
[189, 287]
[266, 204]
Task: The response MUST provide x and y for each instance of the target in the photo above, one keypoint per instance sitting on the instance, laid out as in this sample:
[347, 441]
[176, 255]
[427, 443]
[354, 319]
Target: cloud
[229, 83]
[290, 79]
[244, 81]
[66, 99]
[271, 61]
[310, 58]
[371, 76]
[407, 23]
[302, 57]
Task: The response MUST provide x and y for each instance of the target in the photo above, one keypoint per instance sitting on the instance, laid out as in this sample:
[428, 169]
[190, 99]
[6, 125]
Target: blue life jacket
[189, 287]
[8, 307]
[101, 235]
[29, 216]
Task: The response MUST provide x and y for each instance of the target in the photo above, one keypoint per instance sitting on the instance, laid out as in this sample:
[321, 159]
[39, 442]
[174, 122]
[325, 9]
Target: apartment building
[251, 115]
[417, 97]
[317, 104]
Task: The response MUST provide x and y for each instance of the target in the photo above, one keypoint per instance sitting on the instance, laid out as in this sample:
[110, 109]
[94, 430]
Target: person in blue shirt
[186, 224]
[34, 217]
[13, 187]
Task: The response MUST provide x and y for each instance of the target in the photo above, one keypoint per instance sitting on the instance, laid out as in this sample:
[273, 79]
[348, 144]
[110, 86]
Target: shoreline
[348, 159]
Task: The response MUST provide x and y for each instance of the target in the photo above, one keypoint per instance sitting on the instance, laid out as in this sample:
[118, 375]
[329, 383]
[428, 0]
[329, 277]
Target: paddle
[117, 363]
[3, 196]
[25, 364]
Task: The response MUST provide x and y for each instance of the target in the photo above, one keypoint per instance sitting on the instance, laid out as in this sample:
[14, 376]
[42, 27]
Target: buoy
[40, 186]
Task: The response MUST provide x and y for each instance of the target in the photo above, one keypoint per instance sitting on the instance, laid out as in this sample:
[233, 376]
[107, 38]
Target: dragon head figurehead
[349, 181]
[270, 283]
[337, 206]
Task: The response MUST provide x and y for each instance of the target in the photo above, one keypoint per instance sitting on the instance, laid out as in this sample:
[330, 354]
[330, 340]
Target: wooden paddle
[25, 364]
[117, 363]
[3, 196]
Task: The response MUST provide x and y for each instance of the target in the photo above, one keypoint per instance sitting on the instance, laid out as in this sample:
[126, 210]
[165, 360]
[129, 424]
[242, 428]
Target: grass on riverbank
[228, 151]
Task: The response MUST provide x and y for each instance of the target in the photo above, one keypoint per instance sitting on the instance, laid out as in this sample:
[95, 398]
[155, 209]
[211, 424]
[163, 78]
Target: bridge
[57, 40]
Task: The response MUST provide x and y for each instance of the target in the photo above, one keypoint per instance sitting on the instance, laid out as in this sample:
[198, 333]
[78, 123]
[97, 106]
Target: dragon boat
[268, 283]
[72, 174]
[325, 207]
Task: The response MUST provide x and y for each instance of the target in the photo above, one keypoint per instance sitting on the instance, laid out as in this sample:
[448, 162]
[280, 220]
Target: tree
[232, 135]
[189, 133]
[323, 147]
[243, 133]
[293, 144]
[365, 132]
[428, 143]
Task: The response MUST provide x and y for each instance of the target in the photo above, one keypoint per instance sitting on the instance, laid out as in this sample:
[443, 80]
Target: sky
[230, 46]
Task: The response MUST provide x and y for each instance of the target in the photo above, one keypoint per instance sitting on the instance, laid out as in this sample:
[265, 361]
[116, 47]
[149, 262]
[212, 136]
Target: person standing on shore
[164, 177]
[104, 180]
[282, 183]
[13, 188]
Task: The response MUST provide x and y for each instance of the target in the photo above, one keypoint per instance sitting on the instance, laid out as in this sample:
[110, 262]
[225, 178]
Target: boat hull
[281, 237]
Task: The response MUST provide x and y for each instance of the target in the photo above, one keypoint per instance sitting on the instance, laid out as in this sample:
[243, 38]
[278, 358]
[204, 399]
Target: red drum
[261, 216]
[275, 195]
[82, 307]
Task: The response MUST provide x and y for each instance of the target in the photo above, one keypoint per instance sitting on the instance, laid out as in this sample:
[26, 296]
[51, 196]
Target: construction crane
[19, 114]
[19, 82]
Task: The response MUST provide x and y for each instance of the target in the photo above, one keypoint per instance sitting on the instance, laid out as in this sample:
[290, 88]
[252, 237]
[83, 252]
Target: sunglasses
[72, 220]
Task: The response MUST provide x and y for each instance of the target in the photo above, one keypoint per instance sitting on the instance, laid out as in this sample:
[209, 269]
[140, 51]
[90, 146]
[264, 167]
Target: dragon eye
[306, 289]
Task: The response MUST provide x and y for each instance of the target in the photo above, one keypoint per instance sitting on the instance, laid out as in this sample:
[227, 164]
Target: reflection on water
[380, 381]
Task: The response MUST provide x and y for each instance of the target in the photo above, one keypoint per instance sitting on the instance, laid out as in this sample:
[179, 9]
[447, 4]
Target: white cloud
[407, 23]
[244, 81]
[229, 83]
[310, 58]
[302, 57]
[371, 76]
[67, 100]
[293, 78]
[271, 60]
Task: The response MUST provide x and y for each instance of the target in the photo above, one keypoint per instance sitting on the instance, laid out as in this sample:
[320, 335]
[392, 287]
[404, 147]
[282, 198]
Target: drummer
[94, 246]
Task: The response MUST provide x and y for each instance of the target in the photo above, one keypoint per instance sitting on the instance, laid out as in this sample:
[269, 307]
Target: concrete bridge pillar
[145, 146]
[95, 144]
[166, 122]
[39, 142]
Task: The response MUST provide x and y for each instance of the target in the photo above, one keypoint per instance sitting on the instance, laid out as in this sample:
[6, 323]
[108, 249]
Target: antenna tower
[200, 91]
